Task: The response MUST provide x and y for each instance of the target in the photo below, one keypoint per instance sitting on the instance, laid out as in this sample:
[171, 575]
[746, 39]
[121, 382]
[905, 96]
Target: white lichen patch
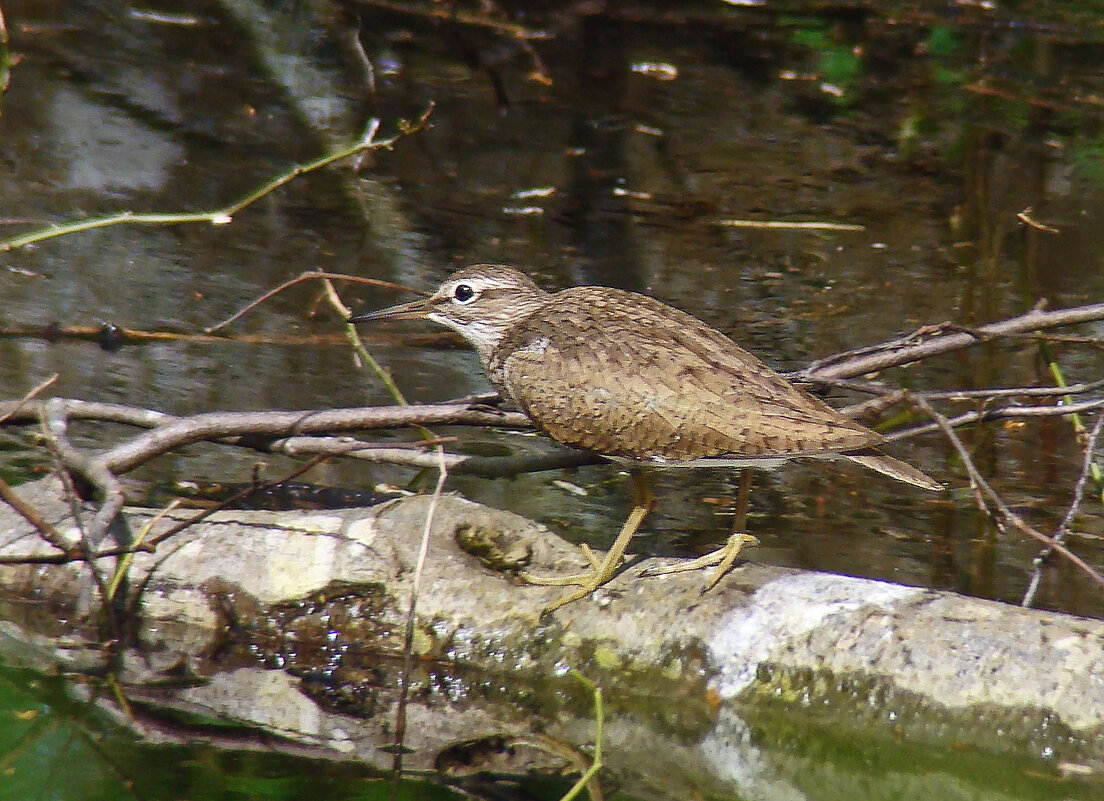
[787, 610]
[269, 698]
[188, 606]
[70, 534]
[365, 530]
[300, 566]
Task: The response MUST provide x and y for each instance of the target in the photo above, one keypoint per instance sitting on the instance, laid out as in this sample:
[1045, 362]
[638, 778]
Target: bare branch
[1001, 413]
[459, 16]
[458, 464]
[97, 473]
[288, 432]
[224, 215]
[1022, 392]
[225, 425]
[126, 336]
[19, 404]
[307, 276]
[1071, 512]
[48, 532]
[985, 495]
[935, 340]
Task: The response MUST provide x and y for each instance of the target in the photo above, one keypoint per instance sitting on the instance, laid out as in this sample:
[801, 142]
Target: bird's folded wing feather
[670, 391]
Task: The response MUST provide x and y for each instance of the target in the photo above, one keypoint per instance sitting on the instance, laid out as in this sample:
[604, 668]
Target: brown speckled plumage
[630, 377]
[625, 375]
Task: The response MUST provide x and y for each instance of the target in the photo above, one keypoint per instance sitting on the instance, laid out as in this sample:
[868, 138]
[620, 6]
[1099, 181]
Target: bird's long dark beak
[414, 310]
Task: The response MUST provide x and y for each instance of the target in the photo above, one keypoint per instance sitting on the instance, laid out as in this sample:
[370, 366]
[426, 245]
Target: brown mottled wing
[625, 375]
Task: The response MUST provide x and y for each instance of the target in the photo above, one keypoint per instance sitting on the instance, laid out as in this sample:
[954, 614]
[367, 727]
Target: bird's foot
[724, 558]
[601, 571]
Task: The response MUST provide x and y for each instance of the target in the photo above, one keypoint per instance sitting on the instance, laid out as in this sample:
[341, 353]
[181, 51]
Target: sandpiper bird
[641, 383]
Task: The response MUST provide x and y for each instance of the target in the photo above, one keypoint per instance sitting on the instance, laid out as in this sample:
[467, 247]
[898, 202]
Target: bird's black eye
[463, 293]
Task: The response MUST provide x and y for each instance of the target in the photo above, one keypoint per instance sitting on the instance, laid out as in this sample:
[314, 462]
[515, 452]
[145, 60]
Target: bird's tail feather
[895, 468]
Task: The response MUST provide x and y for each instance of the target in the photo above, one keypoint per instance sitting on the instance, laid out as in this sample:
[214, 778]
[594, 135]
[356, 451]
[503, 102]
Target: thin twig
[943, 339]
[362, 57]
[224, 215]
[48, 532]
[985, 495]
[361, 352]
[125, 560]
[310, 275]
[453, 14]
[237, 496]
[1026, 218]
[408, 640]
[1075, 504]
[19, 404]
[1008, 392]
[129, 336]
[1079, 429]
[54, 426]
[791, 226]
[1000, 413]
[589, 779]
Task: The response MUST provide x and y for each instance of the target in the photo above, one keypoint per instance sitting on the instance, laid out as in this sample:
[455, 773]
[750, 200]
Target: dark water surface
[610, 151]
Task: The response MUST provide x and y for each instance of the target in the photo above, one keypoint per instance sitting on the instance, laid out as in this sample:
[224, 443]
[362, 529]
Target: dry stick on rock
[48, 532]
[985, 495]
[408, 636]
[19, 404]
[1078, 495]
[7, 494]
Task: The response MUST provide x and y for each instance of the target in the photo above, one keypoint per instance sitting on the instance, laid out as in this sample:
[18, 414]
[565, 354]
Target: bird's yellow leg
[725, 556]
[602, 571]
